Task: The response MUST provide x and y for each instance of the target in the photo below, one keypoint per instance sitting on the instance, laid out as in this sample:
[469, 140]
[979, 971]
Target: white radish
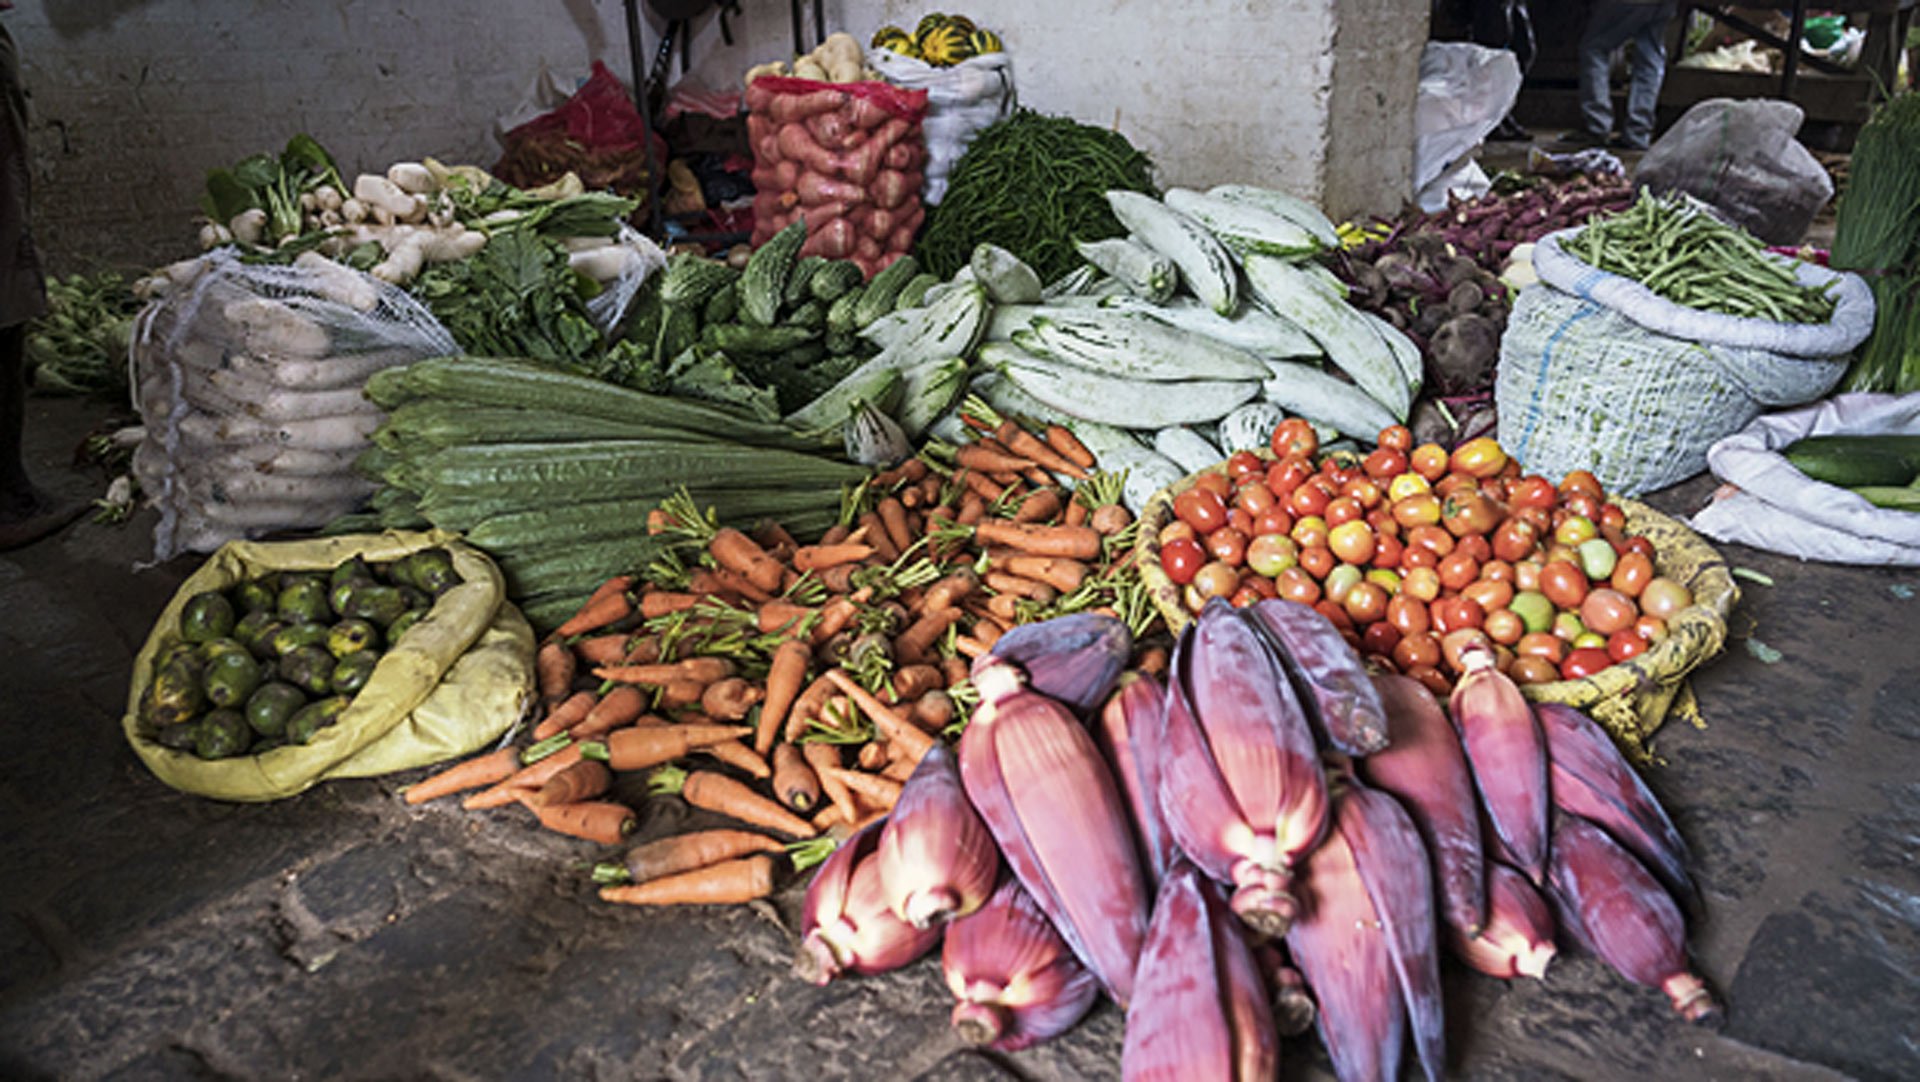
[353, 211]
[404, 261]
[382, 194]
[328, 197]
[603, 264]
[411, 177]
[272, 327]
[330, 219]
[417, 213]
[452, 244]
[309, 201]
[338, 283]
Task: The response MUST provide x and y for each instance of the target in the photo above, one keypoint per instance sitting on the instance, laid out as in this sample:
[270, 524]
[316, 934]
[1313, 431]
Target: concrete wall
[135, 99]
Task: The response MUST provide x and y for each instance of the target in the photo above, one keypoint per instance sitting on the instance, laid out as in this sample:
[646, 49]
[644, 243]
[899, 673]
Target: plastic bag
[846, 157]
[1741, 158]
[455, 682]
[1776, 507]
[961, 99]
[597, 134]
[1464, 91]
[248, 381]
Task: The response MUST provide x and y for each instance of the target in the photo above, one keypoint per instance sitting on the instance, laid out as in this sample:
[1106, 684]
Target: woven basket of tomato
[1415, 553]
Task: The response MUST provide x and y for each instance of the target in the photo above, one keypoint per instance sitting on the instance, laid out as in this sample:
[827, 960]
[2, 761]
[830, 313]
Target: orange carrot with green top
[608, 602]
[481, 770]
[594, 820]
[729, 882]
[818, 558]
[569, 713]
[701, 670]
[890, 724]
[739, 553]
[794, 782]
[678, 853]
[642, 746]
[785, 674]
[714, 792]
[1073, 542]
[582, 780]
[737, 755]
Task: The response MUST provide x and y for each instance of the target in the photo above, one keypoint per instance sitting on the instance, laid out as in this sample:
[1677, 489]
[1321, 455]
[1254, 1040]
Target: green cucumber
[882, 288]
[763, 284]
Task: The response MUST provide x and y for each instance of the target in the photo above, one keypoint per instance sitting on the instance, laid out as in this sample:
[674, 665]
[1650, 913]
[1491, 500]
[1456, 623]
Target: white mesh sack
[961, 99]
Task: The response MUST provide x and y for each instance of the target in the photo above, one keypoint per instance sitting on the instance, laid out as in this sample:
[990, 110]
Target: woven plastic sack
[961, 99]
[1599, 373]
[455, 682]
[1769, 504]
[1740, 157]
[248, 381]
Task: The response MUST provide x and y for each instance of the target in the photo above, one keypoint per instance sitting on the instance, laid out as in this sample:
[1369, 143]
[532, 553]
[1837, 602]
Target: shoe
[1621, 142]
[1578, 140]
[1507, 131]
[41, 519]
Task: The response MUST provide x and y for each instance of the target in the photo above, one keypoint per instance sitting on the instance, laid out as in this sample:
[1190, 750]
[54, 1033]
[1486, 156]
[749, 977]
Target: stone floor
[145, 934]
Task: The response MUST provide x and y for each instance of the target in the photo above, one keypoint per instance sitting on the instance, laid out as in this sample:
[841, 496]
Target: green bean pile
[1033, 184]
[1682, 253]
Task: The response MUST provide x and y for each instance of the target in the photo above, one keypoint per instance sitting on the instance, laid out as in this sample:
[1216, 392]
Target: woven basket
[1631, 698]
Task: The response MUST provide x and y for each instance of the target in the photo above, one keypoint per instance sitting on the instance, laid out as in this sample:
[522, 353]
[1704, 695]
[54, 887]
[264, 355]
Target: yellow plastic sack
[456, 681]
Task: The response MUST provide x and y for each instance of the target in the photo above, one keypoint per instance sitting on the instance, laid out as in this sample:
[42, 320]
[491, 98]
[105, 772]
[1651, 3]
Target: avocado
[298, 578]
[172, 650]
[263, 639]
[231, 677]
[181, 737]
[304, 602]
[309, 668]
[294, 636]
[271, 706]
[349, 636]
[400, 572]
[380, 604]
[351, 569]
[354, 670]
[222, 735]
[254, 595]
[177, 695]
[399, 627]
[416, 598]
[247, 631]
[432, 571]
[213, 648]
[207, 615]
[313, 717]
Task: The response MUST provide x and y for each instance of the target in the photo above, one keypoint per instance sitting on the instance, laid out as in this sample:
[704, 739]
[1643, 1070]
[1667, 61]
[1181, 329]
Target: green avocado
[207, 615]
[294, 636]
[380, 604]
[309, 668]
[247, 631]
[177, 694]
[432, 571]
[254, 595]
[305, 602]
[213, 648]
[354, 670]
[222, 734]
[231, 677]
[271, 706]
[399, 627]
[349, 636]
[181, 737]
[313, 717]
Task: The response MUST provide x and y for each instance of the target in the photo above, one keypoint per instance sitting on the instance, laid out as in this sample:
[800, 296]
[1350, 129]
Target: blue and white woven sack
[1599, 373]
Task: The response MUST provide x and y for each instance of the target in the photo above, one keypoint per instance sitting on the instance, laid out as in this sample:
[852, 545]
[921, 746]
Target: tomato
[1245, 595]
[1533, 670]
[1539, 518]
[1607, 610]
[1612, 517]
[1339, 580]
[1574, 530]
[1381, 519]
[1581, 504]
[1181, 558]
[1261, 584]
[1366, 603]
[1215, 482]
[1514, 539]
[1526, 575]
[1532, 491]
[1564, 584]
[1407, 484]
[1228, 545]
[1664, 597]
[1419, 509]
[1580, 481]
[1352, 541]
[1503, 627]
[1378, 639]
[1176, 530]
[1419, 648]
[1567, 625]
[1255, 499]
[1408, 615]
[1625, 644]
[1432, 538]
[1640, 545]
[1216, 579]
[1334, 614]
[1387, 550]
[1384, 463]
[1495, 489]
[1201, 508]
[1454, 613]
[1455, 482]
[1309, 499]
[1295, 584]
[1584, 662]
[1286, 475]
[1457, 569]
[1597, 558]
[1242, 465]
[1533, 608]
[1294, 436]
[1631, 573]
[1476, 546]
[1456, 644]
[1416, 556]
[1271, 553]
[1396, 438]
[1385, 579]
[1342, 509]
[1309, 531]
[1482, 457]
[1489, 594]
[1317, 560]
[1497, 571]
[1433, 679]
[1469, 512]
[1273, 520]
[1238, 519]
[1650, 628]
[1542, 644]
[1420, 582]
[1364, 491]
[1429, 460]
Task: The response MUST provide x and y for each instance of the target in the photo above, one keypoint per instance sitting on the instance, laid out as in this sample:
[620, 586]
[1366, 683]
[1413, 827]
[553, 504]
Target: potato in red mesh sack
[848, 157]
[597, 134]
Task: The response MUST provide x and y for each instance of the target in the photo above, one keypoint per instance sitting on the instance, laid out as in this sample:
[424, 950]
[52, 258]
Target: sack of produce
[963, 95]
[1834, 482]
[1465, 90]
[847, 158]
[597, 134]
[249, 383]
[277, 666]
[1599, 372]
[1741, 158]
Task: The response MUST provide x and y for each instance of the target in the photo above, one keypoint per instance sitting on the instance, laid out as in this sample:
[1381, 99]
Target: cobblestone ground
[145, 934]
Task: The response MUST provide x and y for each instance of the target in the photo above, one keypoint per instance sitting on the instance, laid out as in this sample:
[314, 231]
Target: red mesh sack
[597, 134]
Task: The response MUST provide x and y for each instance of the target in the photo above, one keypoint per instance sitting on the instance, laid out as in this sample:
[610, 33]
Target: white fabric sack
[1464, 91]
[1780, 509]
[961, 100]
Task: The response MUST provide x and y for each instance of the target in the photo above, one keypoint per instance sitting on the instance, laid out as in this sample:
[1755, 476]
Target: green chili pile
[1878, 235]
[1033, 184]
[1677, 250]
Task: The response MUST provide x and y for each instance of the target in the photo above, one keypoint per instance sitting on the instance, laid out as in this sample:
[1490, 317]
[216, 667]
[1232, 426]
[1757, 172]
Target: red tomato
[1175, 530]
[1419, 648]
[1532, 491]
[1503, 627]
[1584, 504]
[1262, 585]
[1455, 613]
[1542, 644]
[1181, 558]
[1533, 670]
[1429, 460]
[1387, 550]
[1318, 560]
[1309, 531]
[1464, 512]
[1215, 482]
[1201, 508]
[1420, 582]
[1352, 541]
[1418, 556]
[1584, 662]
[1650, 628]
[1607, 610]
[1244, 464]
[1564, 583]
[1432, 538]
[1580, 481]
[1227, 545]
[1285, 475]
[1308, 500]
[1514, 540]
[1342, 509]
[1273, 520]
[1245, 595]
[1396, 438]
[1631, 573]
[1365, 491]
[1216, 579]
[1489, 594]
[1625, 644]
[1384, 463]
[1366, 603]
[1640, 545]
[1457, 569]
[1379, 638]
[1255, 499]
[1664, 597]
[1334, 613]
[1612, 517]
[1294, 436]
[1434, 680]
[1482, 457]
[1476, 546]
[1497, 571]
[1408, 615]
[1238, 519]
[1295, 584]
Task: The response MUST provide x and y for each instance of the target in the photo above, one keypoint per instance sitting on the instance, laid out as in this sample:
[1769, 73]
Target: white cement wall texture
[133, 100]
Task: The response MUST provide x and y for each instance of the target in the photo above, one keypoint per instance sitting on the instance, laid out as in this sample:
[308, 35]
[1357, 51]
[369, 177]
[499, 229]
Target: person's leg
[1609, 24]
[26, 513]
[1649, 69]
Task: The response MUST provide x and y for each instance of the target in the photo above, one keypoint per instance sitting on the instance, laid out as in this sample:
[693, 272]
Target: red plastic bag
[847, 157]
[597, 133]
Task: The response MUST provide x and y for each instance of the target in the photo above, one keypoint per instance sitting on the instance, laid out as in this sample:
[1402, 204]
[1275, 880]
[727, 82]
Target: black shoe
[1578, 140]
[1621, 142]
[1507, 131]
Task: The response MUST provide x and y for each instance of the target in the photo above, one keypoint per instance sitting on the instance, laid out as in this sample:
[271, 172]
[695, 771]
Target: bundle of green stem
[1878, 237]
[1033, 184]
[1679, 251]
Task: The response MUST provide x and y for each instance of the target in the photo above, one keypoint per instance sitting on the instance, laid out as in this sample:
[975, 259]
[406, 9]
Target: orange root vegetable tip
[983, 458]
[739, 553]
[785, 675]
[683, 853]
[912, 681]
[1075, 514]
[778, 616]
[1110, 519]
[818, 558]
[593, 820]
[657, 603]
[1064, 441]
[873, 790]
[618, 707]
[1073, 542]
[740, 757]
[583, 780]
[771, 535]
[719, 793]
[835, 534]
[825, 761]
[607, 604]
[730, 699]
[807, 707]
[727, 883]
[474, 773]
[650, 745]
[794, 782]
[886, 720]
[554, 666]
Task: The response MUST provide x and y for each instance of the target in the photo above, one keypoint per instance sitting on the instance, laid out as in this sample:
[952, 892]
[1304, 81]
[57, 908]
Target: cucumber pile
[273, 660]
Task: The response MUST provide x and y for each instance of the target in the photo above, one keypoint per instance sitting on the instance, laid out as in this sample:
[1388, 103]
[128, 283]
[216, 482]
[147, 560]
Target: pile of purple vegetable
[1276, 840]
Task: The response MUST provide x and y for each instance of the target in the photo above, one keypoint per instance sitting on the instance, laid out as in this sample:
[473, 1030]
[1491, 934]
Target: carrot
[874, 532]
[912, 681]
[955, 669]
[988, 458]
[835, 534]
[913, 643]
[827, 818]
[835, 615]
[794, 782]
[1042, 506]
[781, 616]
[821, 557]
[785, 674]
[730, 699]
[898, 770]
[657, 603]
[885, 720]
[1024, 443]
[838, 579]
[1005, 608]
[982, 486]
[807, 707]
[642, 746]
[662, 857]
[678, 693]
[565, 716]
[893, 517]
[1076, 513]
[746, 587]
[583, 780]
[737, 755]
[702, 670]
[619, 707]
[973, 507]
[743, 555]
[873, 755]
[825, 761]
[875, 791]
[1109, 519]
[467, 774]
[595, 820]
[554, 667]
[528, 778]
[645, 650]
[906, 473]
[772, 536]
[602, 649]
[608, 602]
[1062, 439]
[946, 592]
[719, 793]
[1073, 542]
[709, 584]
[1007, 585]
[1063, 574]
[934, 710]
[729, 882]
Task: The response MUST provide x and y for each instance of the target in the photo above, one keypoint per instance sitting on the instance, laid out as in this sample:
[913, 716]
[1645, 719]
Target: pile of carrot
[793, 688]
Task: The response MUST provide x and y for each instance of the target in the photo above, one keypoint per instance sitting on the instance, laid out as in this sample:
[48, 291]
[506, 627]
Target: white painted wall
[135, 99]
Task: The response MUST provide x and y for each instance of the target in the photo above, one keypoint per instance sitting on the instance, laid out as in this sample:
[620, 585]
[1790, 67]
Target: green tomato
[1271, 553]
[1342, 578]
[1597, 558]
[1533, 609]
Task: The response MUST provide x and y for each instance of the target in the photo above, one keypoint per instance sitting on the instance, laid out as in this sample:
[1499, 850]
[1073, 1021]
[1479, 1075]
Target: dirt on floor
[146, 934]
